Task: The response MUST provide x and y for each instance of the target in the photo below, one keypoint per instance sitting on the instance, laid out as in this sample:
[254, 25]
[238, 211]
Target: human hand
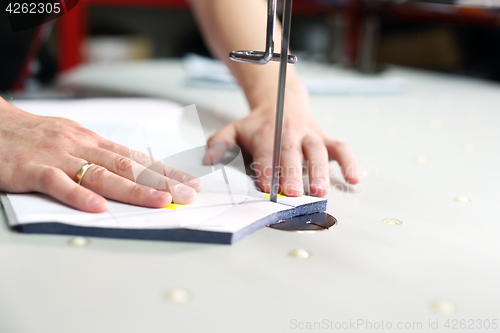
[303, 138]
[44, 154]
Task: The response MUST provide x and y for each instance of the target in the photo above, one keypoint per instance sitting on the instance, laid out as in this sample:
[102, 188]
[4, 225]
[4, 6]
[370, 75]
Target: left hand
[303, 137]
[45, 154]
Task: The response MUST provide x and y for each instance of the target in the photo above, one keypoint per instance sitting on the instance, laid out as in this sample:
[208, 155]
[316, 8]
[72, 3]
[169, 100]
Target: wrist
[260, 84]
[296, 99]
[11, 115]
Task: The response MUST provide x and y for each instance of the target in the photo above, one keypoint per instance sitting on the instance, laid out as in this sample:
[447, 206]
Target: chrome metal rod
[257, 57]
[278, 131]
[271, 20]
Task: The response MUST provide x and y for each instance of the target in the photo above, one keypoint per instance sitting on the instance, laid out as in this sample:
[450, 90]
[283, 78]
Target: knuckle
[341, 145]
[266, 129]
[159, 168]
[290, 125]
[87, 132]
[140, 157]
[263, 153]
[289, 146]
[122, 165]
[135, 193]
[263, 134]
[291, 171]
[72, 196]
[175, 174]
[61, 136]
[47, 178]
[96, 174]
[160, 183]
[314, 143]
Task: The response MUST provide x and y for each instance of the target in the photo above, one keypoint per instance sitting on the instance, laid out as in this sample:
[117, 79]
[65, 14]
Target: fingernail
[319, 183]
[292, 186]
[184, 191]
[159, 195]
[94, 202]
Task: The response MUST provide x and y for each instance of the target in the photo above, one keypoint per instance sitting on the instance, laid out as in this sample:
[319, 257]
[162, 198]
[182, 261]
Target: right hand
[44, 154]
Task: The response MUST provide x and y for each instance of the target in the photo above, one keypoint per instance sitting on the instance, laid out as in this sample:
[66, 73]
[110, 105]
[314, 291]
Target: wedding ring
[82, 172]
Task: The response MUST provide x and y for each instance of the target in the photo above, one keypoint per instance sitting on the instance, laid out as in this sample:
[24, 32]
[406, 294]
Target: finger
[152, 176]
[57, 184]
[262, 154]
[317, 161]
[219, 143]
[341, 152]
[134, 155]
[115, 187]
[181, 193]
[291, 162]
[125, 167]
[141, 158]
[175, 176]
[144, 160]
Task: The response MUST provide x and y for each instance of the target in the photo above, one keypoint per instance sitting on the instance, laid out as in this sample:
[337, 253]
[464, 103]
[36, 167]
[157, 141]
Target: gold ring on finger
[82, 172]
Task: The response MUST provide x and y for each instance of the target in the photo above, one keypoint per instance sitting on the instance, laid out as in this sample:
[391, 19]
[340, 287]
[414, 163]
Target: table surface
[418, 151]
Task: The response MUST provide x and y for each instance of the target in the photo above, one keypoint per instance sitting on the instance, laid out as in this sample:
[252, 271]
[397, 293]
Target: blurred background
[365, 35]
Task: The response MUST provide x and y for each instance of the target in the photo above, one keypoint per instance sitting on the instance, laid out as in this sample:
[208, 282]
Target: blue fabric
[178, 235]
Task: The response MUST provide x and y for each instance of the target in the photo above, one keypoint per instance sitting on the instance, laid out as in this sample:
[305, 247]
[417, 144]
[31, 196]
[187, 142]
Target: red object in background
[25, 72]
[443, 14]
[353, 16]
[72, 31]
[73, 25]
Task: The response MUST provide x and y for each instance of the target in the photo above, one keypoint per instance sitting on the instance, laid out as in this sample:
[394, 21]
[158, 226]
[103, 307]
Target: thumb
[219, 143]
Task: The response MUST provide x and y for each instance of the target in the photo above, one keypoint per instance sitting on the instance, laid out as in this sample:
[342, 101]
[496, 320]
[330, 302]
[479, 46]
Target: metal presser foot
[263, 57]
[311, 222]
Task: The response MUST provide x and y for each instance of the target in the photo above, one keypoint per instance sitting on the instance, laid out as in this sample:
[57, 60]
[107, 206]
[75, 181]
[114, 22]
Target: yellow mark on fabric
[174, 206]
[279, 195]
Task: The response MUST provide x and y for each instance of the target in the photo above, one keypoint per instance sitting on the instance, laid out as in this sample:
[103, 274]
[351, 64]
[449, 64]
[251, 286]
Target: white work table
[418, 152]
